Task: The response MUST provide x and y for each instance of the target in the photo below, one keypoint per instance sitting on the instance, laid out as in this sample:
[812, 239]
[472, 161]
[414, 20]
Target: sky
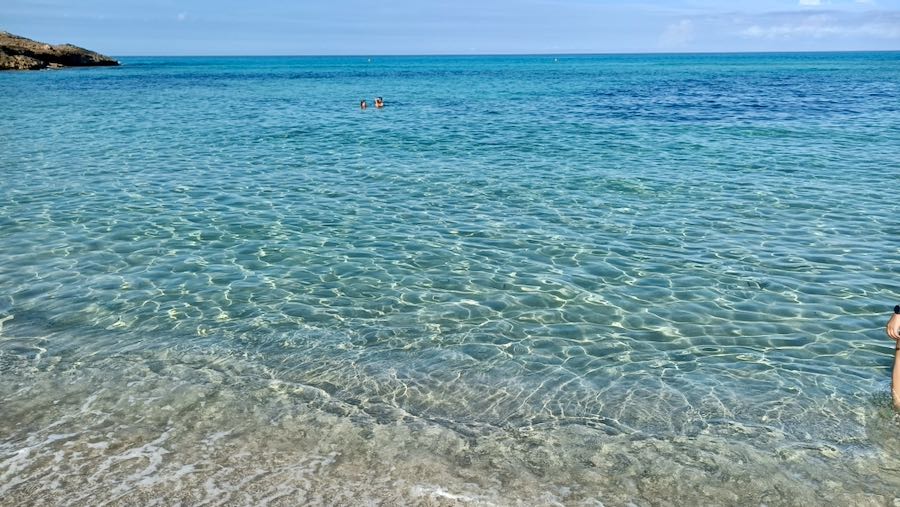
[356, 27]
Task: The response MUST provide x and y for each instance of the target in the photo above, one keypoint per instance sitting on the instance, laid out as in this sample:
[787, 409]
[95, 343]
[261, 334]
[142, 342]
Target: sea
[528, 280]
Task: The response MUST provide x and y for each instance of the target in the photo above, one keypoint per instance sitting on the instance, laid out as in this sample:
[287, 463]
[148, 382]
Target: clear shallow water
[646, 279]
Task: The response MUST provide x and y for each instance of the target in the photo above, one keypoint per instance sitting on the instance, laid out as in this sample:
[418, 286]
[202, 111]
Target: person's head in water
[362, 104]
[379, 102]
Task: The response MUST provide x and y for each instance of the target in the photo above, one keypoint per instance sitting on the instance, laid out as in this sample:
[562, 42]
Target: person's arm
[893, 331]
[895, 378]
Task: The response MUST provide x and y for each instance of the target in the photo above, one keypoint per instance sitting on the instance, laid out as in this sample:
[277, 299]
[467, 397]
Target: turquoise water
[527, 281]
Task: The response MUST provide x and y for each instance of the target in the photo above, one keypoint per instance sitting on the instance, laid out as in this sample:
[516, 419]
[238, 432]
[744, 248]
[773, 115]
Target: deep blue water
[536, 279]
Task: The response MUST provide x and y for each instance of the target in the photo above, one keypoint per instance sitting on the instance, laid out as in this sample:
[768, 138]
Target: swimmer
[893, 331]
[362, 104]
[379, 102]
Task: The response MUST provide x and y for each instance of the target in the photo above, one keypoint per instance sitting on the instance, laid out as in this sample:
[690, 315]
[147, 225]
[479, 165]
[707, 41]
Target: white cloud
[827, 24]
[677, 35]
[807, 3]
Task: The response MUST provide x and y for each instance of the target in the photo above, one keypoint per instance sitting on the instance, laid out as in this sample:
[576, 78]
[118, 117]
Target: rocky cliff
[19, 53]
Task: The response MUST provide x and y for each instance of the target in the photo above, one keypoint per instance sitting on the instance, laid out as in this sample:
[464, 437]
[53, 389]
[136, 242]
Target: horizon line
[392, 55]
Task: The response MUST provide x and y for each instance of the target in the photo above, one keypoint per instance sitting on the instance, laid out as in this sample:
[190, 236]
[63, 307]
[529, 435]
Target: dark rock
[19, 53]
